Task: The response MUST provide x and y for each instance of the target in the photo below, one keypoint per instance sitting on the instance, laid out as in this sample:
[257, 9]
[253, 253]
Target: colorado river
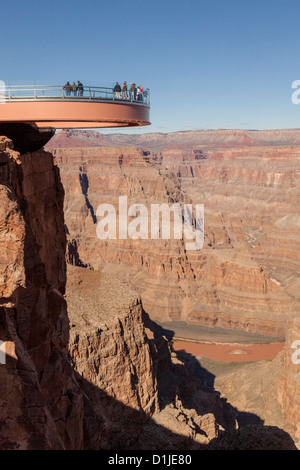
[230, 352]
[221, 344]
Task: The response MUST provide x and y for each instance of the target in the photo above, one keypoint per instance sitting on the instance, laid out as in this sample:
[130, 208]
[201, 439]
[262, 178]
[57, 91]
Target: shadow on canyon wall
[109, 424]
[204, 380]
[103, 430]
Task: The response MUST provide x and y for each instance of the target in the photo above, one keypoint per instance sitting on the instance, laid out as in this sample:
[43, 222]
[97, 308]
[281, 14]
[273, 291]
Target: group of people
[134, 93]
[76, 90]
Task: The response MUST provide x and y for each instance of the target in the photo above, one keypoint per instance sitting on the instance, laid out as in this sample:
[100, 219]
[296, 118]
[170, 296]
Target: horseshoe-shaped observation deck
[43, 109]
[53, 106]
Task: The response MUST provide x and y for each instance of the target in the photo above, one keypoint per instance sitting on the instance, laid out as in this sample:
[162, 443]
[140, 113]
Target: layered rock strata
[247, 274]
[141, 394]
[204, 138]
[41, 403]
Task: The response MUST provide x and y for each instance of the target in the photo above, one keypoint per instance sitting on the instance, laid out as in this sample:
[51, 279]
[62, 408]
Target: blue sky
[209, 64]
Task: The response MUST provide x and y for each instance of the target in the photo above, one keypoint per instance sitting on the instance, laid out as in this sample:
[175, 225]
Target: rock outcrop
[40, 401]
[289, 383]
[254, 438]
[141, 394]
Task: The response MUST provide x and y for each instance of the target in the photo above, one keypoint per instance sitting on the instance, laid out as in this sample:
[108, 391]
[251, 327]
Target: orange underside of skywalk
[64, 114]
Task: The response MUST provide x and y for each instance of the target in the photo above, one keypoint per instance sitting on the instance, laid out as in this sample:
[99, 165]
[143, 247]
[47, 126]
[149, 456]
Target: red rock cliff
[289, 383]
[141, 394]
[41, 403]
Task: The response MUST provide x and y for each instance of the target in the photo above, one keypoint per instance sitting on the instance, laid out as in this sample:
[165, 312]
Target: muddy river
[234, 352]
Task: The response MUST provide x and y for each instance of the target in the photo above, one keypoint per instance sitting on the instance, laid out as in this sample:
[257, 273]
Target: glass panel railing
[97, 93]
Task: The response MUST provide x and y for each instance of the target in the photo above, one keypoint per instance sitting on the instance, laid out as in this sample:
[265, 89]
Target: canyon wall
[246, 277]
[251, 197]
[158, 141]
[269, 390]
[41, 402]
[289, 383]
[142, 395]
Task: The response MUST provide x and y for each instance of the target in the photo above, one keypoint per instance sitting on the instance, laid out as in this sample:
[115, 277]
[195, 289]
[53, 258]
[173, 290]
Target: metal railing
[56, 92]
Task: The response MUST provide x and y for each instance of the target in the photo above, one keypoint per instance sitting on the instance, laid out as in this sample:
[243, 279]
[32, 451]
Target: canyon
[246, 277]
[87, 366]
[101, 376]
[204, 138]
